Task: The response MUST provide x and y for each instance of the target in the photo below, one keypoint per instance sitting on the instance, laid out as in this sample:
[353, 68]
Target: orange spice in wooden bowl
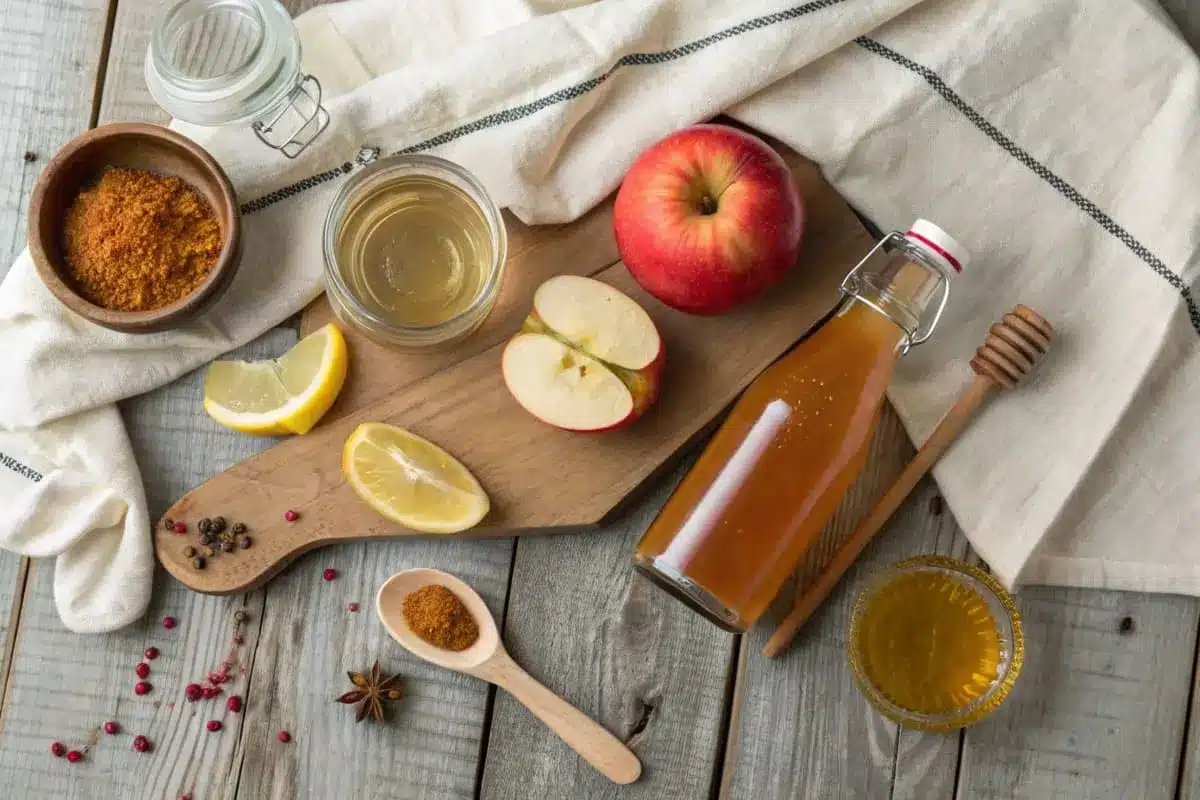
[137, 241]
[108, 152]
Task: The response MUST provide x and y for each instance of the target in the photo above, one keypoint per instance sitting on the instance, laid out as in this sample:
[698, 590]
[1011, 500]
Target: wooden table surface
[1102, 709]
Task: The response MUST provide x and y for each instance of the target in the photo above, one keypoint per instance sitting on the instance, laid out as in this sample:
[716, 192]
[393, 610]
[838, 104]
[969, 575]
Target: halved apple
[588, 357]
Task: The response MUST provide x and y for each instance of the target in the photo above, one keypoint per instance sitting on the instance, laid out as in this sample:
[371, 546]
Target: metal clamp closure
[308, 92]
[851, 287]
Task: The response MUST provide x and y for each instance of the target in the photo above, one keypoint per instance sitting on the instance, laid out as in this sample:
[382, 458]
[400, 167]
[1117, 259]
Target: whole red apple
[708, 218]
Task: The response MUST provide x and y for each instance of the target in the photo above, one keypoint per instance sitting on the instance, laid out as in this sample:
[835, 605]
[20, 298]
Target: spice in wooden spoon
[436, 614]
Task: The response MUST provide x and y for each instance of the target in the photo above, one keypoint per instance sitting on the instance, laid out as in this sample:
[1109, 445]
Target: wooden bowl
[156, 149]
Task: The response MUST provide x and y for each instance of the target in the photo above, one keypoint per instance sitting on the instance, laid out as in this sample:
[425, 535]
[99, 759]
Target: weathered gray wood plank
[1096, 713]
[801, 728]
[431, 745]
[43, 108]
[63, 685]
[650, 670]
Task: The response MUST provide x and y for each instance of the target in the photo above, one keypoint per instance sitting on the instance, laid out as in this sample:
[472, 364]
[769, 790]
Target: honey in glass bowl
[935, 643]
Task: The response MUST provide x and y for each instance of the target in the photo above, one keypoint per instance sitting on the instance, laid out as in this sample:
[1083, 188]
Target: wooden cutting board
[539, 479]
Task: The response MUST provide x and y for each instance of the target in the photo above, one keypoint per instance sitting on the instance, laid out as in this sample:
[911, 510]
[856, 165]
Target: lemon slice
[412, 481]
[286, 395]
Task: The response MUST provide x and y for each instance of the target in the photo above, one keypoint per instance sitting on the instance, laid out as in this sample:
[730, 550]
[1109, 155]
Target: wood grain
[431, 744]
[629, 656]
[1096, 712]
[65, 685]
[43, 108]
[516, 457]
[825, 739]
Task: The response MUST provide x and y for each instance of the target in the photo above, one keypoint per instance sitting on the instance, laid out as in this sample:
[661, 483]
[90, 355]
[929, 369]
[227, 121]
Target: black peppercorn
[218, 524]
[245, 542]
[189, 551]
[227, 547]
[239, 528]
[206, 538]
[198, 562]
[205, 525]
[169, 523]
[240, 616]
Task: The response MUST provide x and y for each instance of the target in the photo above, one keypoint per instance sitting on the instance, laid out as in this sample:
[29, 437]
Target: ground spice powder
[436, 614]
[136, 241]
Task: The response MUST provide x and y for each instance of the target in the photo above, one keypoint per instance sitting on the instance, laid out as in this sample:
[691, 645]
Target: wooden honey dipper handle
[1014, 346]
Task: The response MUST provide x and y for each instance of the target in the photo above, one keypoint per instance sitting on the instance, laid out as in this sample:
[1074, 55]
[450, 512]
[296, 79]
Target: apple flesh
[708, 218]
[588, 357]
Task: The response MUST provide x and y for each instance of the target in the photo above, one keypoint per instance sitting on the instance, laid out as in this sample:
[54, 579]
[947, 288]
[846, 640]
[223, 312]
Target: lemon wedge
[286, 395]
[412, 481]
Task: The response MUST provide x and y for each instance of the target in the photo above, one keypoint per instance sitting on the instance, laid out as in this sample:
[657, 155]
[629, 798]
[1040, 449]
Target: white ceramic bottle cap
[939, 243]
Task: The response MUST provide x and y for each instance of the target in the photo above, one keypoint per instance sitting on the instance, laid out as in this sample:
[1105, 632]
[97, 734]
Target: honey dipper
[1014, 346]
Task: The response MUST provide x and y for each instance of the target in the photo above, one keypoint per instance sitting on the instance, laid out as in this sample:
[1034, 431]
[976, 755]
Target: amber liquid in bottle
[776, 471]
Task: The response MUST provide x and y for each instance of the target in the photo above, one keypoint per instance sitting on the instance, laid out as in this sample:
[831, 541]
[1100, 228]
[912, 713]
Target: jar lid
[941, 245]
[223, 62]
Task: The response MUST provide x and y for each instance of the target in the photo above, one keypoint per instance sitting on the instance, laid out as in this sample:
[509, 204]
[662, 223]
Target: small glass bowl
[1008, 629]
[351, 311]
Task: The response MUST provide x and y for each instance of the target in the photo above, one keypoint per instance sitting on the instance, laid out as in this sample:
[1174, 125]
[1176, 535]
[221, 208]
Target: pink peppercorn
[151, 653]
[234, 704]
[213, 725]
[58, 749]
[112, 728]
[193, 692]
[283, 736]
[74, 756]
[142, 687]
[180, 527]
[238, 640]
[142, 670]
[211, 691]
[291, 516]
[142, 744]
[353, 607]
[329, 574]
[170, 622]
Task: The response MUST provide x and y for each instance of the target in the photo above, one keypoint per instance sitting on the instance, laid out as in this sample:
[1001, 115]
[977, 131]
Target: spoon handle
[596, 745]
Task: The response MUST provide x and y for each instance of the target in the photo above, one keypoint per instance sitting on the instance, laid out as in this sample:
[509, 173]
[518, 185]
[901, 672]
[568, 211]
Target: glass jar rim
[1008, 624]
[377, 173]
[264, 78]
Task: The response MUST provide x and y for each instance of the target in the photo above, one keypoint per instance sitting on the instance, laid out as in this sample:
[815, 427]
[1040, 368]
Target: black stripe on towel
[561, 96]
[1042, 171]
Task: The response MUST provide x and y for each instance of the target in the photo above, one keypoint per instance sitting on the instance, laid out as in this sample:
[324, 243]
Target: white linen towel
[1057, 139]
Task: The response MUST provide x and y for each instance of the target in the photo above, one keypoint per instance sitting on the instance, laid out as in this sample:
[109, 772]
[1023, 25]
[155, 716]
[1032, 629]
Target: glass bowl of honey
[414, 252]
[935, 643]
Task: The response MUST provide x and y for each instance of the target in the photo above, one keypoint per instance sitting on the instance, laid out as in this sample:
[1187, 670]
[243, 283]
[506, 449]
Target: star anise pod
[371, 692]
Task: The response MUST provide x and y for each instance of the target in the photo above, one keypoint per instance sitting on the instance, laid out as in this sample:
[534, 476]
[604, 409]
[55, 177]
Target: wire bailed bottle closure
[872, 279]
[216, 63]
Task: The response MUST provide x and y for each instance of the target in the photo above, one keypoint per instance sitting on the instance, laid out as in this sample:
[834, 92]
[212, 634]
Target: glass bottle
[214, 63]
[775, 472]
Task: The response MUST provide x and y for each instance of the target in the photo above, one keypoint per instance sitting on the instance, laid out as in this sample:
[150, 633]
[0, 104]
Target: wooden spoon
[1013, 348]
[488, 660]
